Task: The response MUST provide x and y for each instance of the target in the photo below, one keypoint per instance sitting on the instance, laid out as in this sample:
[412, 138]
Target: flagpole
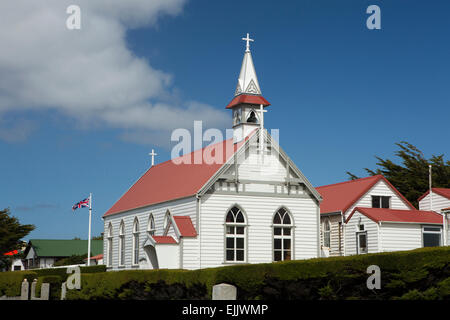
[89, 239]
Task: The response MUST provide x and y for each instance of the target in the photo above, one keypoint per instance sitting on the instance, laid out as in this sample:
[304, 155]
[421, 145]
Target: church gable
[272, 174]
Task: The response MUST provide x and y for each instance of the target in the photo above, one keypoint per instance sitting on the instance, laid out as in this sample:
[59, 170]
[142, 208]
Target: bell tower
[248, 103]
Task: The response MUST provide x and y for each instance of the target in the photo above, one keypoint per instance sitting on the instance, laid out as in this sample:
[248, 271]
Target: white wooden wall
[350, 234]
[184, 207]
[439, 202]
[259, 211]
[398, 237]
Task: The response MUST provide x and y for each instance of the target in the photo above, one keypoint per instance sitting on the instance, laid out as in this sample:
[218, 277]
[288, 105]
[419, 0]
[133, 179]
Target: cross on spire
[248, 42]
[153, 154]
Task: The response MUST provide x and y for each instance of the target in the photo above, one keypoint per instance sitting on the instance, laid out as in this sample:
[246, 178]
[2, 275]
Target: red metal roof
[246, 98]
[341, 196]
[97, 257]
[164, 239]
[185, 226]
[445, 192]
[175, 179]
[391, 215]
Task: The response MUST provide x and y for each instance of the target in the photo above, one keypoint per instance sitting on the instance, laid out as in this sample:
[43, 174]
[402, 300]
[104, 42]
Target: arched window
[122, 244]
[136, 241]
[282, 235]
[110, 245]
[327, 233]
[235, 235]
[151, 225]
[252, 117]
[167, 222]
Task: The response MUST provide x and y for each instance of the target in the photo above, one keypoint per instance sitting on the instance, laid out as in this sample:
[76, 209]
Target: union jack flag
[81, 204]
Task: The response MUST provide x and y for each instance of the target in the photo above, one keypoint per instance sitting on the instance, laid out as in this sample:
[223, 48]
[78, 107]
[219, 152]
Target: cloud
[16, 130]
[90, 74]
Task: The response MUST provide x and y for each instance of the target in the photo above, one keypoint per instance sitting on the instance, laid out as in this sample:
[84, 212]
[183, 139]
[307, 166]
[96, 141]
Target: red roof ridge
[378, 176]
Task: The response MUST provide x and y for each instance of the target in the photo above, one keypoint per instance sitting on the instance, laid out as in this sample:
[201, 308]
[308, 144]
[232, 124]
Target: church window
[122, 244]
[381, 202]
[110, 245]
[235, 235]
[282, 235]
[252, 117]
[136, 242]
[326, 233]
[151, 225]
[167, 222]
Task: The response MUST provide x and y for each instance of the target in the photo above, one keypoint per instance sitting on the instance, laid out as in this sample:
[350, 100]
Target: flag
[81, 204]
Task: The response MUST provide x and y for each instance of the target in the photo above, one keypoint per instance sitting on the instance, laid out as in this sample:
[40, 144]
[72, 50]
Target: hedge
[10, 282]
[418, 274]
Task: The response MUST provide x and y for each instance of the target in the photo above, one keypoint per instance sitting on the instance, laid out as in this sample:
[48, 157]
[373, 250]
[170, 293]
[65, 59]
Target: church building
[253, 206]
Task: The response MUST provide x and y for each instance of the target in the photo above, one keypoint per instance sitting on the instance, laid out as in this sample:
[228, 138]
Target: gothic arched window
[122, 244]
[151, 225]
[235, 235]
[282, 235]
[136, 241]
[252, 117]
[110, 245]
[167, 222]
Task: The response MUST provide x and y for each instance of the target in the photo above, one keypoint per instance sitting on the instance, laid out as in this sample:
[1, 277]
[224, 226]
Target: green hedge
[10, 281]
[418, 274]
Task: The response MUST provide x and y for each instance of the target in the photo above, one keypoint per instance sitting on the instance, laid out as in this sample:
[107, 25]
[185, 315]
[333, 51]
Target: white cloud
[90, 73]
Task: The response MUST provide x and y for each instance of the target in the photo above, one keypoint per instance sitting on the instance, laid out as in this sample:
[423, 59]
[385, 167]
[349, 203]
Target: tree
[411, 176]
[73, 259]
[11, 231]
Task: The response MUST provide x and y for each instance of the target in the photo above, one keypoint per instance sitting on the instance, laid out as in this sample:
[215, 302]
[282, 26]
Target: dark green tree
[11, 232]
[410, 177]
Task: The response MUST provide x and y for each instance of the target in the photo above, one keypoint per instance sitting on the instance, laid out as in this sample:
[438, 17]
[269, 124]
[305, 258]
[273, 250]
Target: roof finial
[248, 42]
[153, 154]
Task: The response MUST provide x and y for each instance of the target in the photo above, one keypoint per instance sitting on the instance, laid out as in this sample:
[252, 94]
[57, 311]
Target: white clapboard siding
[334, 235]
[183, 207]
[398, 236]
[381, 188]
[190, 252]
[350, 234]
[259, 211]
[439, 202]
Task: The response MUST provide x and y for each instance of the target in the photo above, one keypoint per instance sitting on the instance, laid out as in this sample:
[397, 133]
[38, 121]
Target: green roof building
[43, 253]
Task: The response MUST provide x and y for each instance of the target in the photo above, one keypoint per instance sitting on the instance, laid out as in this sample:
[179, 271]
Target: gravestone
[224, 291]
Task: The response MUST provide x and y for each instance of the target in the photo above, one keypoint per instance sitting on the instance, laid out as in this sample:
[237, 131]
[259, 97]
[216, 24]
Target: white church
[255, 206]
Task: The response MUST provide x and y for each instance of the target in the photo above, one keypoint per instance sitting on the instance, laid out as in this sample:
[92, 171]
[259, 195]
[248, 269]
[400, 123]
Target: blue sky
[340, 94]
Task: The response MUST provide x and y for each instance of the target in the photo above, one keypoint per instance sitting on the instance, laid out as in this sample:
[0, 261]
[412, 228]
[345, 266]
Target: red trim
[249, 99]
[164, 240]
[185, 226]
[11, 253]
[97, 257]
[445, 192]
[392, 215]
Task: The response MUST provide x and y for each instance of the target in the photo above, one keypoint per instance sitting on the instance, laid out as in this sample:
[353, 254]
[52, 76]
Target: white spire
[248, 81]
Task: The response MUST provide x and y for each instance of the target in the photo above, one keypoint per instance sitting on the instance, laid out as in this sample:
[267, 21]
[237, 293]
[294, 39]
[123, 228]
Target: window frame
[121, 244]
[381, 201]
[358, 248]
[167, 222]
[327, 222]
[135, 256]
[283, 237]
[235, 236]
[109, 249]
[151, 229]
[440, 233]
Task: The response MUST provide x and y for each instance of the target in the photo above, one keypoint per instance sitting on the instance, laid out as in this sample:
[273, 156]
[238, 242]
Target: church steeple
[248, 102]
[248, 81]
